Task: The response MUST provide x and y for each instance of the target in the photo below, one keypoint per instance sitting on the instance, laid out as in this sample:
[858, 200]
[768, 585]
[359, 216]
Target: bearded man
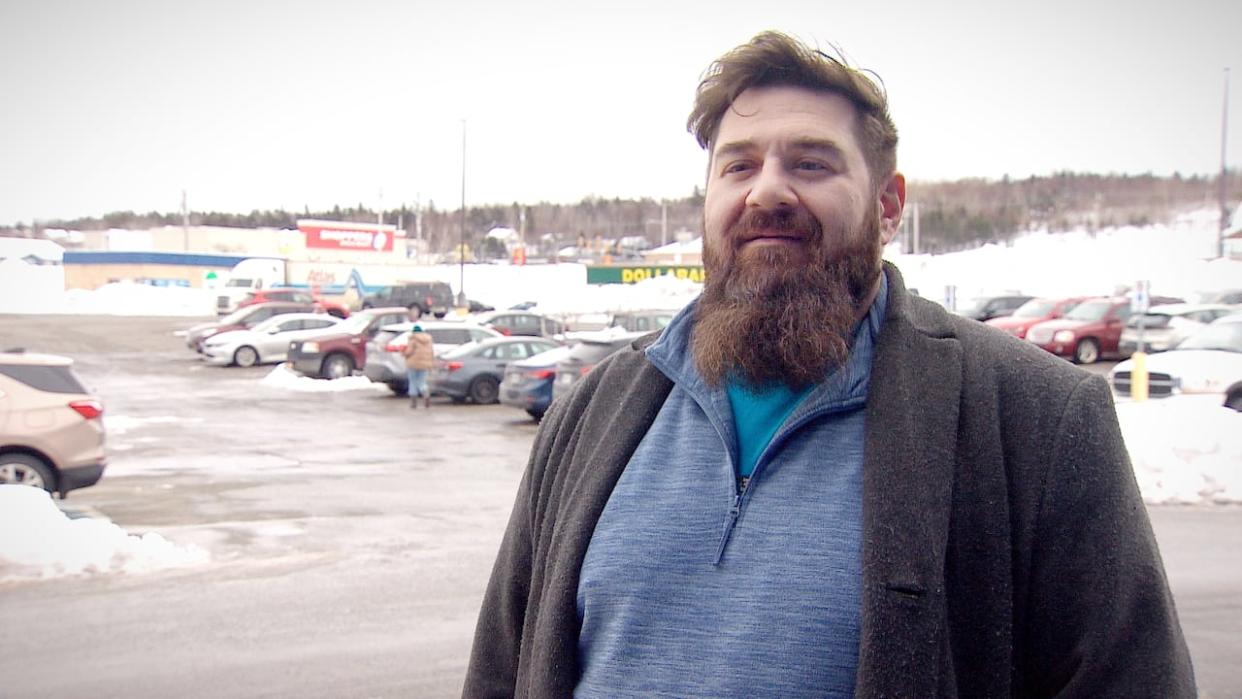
[813, 483]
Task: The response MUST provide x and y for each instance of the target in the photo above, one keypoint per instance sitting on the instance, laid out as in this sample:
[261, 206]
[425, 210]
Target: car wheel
[537, 414]
[1234, 401]
[24, 469]
[399, 389]
[337, 366]
[484, 390]
[1086, 352]
[336, 313]
[245, 356]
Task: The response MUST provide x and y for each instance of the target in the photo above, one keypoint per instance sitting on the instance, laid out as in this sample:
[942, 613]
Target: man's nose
[771, 187]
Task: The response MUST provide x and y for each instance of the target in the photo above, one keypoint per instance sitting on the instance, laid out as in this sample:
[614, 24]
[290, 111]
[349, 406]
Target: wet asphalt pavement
[350, 537]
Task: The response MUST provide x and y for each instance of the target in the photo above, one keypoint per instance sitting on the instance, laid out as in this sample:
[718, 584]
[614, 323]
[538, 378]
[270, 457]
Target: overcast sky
[251, 104]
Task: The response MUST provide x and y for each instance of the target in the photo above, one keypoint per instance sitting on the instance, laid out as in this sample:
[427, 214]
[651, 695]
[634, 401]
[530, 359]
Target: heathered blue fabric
[757, 413]
[778, 614]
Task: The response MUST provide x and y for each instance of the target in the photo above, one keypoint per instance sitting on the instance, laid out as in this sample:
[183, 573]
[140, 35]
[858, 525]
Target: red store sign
[346, 236]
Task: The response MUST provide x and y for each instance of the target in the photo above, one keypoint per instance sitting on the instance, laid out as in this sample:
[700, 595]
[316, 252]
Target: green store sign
[631, 275]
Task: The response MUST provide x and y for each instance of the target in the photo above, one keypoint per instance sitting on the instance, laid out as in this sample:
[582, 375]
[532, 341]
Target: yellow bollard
[1138, 376]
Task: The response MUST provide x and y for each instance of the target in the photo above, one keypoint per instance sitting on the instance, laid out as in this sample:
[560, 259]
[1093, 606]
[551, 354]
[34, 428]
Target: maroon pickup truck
[343, 350]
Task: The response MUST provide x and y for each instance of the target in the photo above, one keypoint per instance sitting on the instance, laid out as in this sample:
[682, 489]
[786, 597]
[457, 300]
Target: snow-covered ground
[1183, 451]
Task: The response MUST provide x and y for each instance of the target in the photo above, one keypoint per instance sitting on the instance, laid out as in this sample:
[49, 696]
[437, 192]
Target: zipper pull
[734, 511]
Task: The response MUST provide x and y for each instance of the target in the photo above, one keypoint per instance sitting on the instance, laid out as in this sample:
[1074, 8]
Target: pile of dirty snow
[37, 540]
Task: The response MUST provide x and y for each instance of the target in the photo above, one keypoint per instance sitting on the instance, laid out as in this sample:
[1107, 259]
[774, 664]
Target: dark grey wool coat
[1006, 550]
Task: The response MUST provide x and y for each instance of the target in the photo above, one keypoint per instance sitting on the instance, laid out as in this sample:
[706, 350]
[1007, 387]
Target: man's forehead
[794, 114]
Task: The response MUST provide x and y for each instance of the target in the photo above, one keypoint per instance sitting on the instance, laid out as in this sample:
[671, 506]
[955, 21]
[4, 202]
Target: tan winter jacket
[419, 353]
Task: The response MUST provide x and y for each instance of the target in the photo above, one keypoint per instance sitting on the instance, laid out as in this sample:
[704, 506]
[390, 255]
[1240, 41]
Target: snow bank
[128, 298]
[1184, 450]
[284, 377]
[38, 541]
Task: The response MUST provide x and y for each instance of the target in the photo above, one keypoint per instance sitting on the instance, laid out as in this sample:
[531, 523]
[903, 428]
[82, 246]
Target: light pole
[1224, 173]
[461, 247]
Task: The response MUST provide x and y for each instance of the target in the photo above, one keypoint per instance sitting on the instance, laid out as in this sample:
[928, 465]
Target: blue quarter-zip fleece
[690, 589]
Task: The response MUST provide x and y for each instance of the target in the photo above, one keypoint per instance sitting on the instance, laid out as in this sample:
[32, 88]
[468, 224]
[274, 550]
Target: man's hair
[772, 59]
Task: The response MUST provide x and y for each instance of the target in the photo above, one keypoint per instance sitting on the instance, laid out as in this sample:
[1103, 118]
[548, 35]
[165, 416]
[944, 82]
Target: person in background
[813, 483]
[420, 358]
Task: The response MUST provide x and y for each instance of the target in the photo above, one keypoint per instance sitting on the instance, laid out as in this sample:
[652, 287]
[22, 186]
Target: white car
[1166, 325]
[1208, 363]
[265, 343]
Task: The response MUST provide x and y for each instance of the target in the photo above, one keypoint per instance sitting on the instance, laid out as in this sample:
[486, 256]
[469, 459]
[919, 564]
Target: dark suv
[428, 297]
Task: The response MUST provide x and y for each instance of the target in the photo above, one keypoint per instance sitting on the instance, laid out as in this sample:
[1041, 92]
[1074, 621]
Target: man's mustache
[784, 223]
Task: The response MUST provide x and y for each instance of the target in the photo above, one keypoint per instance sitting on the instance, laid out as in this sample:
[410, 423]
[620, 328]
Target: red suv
[1032, 312]
[1090, 330]
[343, 349]
[291, 295]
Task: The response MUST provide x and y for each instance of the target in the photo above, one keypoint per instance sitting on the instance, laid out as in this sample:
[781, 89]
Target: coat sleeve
[1103, 623]
[496, 654]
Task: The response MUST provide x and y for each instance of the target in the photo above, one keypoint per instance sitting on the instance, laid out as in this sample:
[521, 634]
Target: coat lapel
[911, 435]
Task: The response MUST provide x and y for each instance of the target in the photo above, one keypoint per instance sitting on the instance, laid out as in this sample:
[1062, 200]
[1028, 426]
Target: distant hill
[952, 215]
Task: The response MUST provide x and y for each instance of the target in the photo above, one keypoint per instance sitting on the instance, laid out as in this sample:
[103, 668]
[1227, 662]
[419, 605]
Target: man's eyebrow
[819, 144]
[809, 143]
[733, 147]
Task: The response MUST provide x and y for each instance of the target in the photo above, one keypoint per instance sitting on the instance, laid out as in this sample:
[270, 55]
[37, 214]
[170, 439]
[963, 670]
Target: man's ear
[892, 202]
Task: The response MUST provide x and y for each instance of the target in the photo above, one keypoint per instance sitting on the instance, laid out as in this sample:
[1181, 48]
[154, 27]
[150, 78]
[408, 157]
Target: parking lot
[349, 537]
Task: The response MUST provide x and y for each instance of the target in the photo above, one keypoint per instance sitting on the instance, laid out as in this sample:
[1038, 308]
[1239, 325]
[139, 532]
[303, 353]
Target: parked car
[1228, 297]
[51, 427]
[429, 297]
[582, 357]
[521, 323]
[265, 343]
[1207, 363]
[1034, 311]
[342, 349]
[1165, 326]
[385, 362]
[641, 321]
[528, 382]
[989, 307]
[332, 308]
[1091, 330]
[474, 370]
[242, 318]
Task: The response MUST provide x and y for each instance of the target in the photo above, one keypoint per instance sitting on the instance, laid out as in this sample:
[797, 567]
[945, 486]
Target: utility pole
[663, 222]
[461, 247]
[1224, 172]
[185, 224]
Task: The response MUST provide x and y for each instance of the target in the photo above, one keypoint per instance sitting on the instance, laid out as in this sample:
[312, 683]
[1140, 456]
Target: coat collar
[911, 435]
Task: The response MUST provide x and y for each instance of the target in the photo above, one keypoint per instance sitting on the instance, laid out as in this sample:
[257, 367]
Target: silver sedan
[267, 342]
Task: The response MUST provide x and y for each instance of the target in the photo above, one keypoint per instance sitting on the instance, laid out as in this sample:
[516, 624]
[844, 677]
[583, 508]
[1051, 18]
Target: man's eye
[811, 165]
[737, 167]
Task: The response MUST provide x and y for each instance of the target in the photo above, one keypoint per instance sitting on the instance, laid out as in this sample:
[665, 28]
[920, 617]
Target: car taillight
[89, 409]
[394, 347]
[541, 373]
[585, 369]
[451, 366]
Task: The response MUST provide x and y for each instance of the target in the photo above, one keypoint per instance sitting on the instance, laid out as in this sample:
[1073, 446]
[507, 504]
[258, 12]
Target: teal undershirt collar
[758, 412]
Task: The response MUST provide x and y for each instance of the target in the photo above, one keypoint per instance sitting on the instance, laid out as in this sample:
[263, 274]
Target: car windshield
[1035, 308]
[237, 316]
[1225, 337]
[356, 324]
[973, 305]
[1089, 310]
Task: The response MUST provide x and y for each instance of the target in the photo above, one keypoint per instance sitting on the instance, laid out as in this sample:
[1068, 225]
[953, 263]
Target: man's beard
[783, 313]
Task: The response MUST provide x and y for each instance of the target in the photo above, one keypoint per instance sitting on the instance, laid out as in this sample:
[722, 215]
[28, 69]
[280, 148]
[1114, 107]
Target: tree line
[952, 215]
